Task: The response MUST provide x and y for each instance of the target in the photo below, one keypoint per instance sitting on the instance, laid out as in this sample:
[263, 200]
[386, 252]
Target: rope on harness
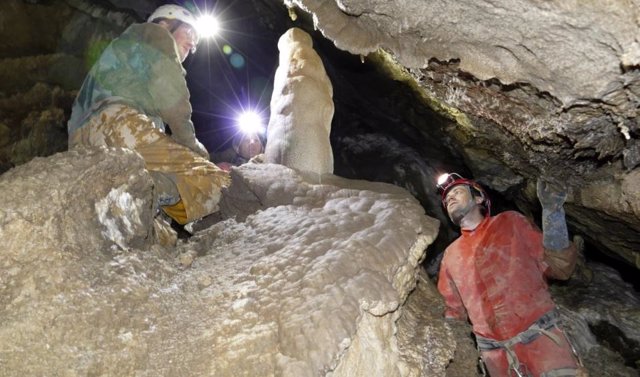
[542, 326]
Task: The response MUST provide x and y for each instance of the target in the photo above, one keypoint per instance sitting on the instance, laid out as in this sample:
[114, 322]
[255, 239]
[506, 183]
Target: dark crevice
[627, 272]
[613, 338]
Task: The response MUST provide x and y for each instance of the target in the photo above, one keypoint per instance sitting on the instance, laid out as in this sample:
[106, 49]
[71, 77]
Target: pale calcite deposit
[301, 108]
[329, 269]
[303, 280]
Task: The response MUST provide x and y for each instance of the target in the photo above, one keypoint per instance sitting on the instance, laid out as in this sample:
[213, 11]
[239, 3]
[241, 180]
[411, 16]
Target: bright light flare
[442, 179]
[207, 26]
[250, 122]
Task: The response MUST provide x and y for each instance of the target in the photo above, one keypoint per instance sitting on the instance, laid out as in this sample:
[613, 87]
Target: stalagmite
[301, 108]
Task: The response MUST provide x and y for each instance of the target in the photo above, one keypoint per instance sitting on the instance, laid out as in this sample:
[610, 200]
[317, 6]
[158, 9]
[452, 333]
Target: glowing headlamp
[250, 122]
[207, 26]
[445, 180]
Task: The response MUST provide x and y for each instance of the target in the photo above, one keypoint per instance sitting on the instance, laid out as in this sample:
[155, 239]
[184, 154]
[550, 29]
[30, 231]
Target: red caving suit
[496, 275]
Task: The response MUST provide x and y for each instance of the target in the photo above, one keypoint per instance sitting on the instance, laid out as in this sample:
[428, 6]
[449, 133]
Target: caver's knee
[199, 183]
[120, 125]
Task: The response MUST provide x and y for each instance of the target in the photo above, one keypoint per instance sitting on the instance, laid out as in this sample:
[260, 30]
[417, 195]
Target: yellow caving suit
[134, 89]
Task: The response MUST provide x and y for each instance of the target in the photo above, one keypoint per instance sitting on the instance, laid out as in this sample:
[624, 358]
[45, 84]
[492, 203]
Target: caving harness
[542, 326]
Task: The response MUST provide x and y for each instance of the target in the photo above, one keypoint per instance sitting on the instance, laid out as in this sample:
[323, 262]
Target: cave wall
[533, 89]
[47, 49]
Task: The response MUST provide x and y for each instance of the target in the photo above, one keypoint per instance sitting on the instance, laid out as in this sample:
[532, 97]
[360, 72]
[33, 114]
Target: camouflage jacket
[140, 68]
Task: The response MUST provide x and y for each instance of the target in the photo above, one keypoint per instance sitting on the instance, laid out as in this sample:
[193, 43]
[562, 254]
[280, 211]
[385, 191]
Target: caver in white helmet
[175, 12]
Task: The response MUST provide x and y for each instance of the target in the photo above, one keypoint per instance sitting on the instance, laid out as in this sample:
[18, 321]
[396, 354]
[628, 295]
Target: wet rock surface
[602, 317]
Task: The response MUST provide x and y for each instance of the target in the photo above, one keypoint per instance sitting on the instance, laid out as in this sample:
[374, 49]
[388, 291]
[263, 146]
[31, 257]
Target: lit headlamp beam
[442, 179]
[207, 26]
[250, 122]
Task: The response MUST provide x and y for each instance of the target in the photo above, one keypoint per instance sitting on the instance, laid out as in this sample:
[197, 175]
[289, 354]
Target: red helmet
[448, 181]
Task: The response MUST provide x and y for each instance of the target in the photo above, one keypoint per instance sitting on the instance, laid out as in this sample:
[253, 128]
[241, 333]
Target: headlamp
[207, 26]
[445, 180]
[250, 122]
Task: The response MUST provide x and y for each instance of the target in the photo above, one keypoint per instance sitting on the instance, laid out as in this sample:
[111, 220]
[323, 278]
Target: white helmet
[173, 12]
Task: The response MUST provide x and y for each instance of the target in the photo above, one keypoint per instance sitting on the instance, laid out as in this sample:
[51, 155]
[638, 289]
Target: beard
[456, 215]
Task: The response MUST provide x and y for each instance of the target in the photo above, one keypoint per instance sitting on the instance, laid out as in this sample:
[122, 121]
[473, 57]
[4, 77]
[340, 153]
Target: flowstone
[312, 282]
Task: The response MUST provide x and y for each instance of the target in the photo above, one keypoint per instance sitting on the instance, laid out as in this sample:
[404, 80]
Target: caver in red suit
[495, 275]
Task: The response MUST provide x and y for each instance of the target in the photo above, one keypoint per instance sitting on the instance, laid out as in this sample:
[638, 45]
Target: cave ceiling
[505, 91]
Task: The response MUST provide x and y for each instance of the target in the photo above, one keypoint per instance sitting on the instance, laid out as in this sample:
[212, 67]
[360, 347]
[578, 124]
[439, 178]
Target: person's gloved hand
[555, 235]
[548, 197]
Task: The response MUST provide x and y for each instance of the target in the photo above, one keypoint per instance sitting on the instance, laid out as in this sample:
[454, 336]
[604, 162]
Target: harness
[542, 326]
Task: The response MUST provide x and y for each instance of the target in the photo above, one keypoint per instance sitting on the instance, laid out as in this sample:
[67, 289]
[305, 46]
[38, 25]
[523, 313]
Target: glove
[555, 235]
[549, 198]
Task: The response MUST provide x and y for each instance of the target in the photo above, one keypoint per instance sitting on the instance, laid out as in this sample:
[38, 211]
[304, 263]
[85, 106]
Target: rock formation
[301, 108]
[312, 282]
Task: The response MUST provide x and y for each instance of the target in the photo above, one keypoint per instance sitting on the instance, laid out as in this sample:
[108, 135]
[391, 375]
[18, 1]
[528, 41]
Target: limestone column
[301, 108]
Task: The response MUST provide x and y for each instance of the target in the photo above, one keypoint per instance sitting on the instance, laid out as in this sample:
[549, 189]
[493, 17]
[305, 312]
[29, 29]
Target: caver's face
[186, 38]
[459, 202]
[250, 147]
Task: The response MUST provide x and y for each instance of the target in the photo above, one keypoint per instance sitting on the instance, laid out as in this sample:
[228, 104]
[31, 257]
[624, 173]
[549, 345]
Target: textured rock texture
[43, 58]
[312, 282]
[572, 50]
[86, 199]
[603, 319]
[530, 89]
[330, 324]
